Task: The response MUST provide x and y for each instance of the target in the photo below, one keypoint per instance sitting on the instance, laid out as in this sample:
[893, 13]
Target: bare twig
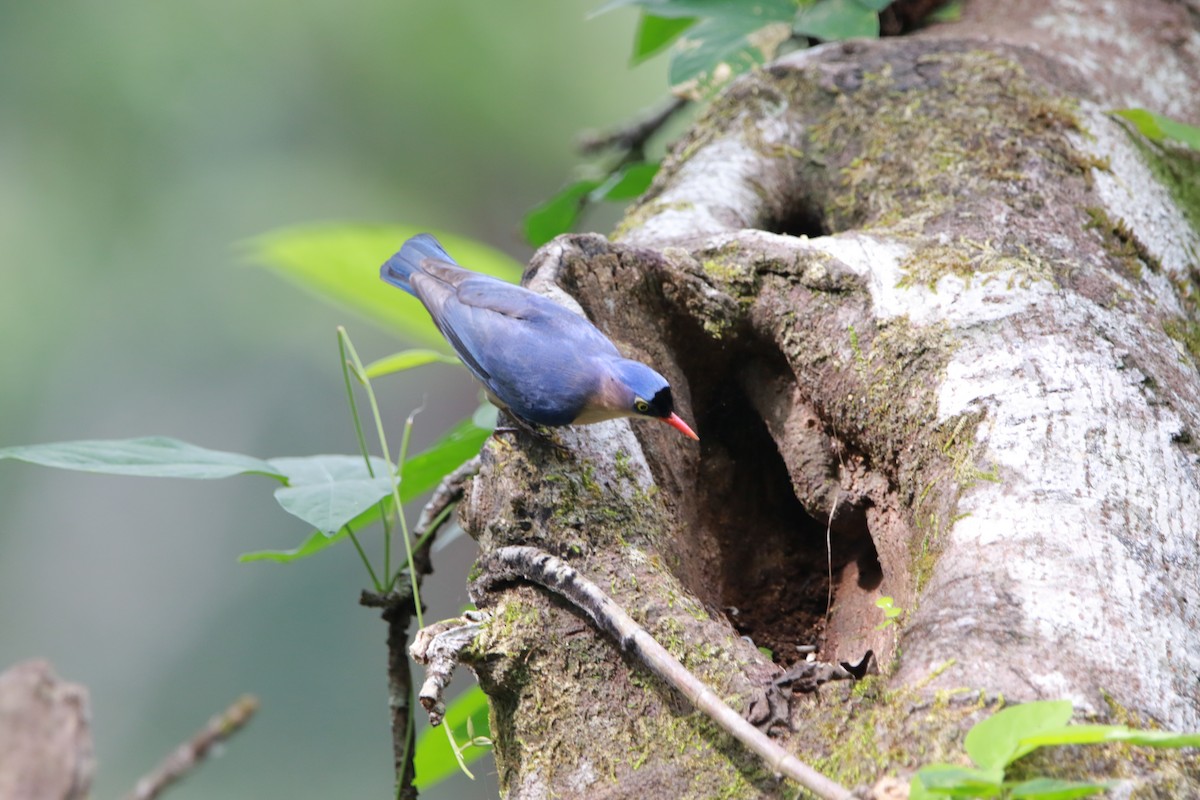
[528, 563]
[192, 753]
[448, 492]
[397, 612]
[632, 137]
[438, 647]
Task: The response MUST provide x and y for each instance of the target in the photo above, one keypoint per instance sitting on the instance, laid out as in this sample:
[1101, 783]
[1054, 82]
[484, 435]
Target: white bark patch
[1089, 36]
[953, 300]
[1075, 551]
[715, 189]
[1095, 511]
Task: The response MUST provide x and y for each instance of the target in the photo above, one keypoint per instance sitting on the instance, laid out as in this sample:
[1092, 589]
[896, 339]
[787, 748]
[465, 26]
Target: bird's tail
[399, 267]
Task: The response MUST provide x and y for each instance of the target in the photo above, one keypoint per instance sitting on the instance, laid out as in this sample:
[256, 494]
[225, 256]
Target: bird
[541, 362]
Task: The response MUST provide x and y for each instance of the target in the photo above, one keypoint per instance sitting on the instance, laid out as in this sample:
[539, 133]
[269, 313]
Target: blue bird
[541, 362]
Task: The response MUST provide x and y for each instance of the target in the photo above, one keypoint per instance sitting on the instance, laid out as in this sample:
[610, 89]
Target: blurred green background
[140, 142]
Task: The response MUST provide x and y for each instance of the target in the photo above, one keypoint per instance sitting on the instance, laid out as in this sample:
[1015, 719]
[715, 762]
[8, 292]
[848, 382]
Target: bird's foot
[538, 432]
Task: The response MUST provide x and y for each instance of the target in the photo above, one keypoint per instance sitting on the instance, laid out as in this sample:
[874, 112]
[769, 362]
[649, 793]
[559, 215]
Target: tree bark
[934, 313]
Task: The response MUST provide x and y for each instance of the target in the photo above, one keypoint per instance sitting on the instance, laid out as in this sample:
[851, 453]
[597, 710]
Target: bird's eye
[641, 406]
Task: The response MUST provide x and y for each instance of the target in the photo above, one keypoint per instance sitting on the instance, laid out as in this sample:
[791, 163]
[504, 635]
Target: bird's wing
[529, 351]
[504, 298]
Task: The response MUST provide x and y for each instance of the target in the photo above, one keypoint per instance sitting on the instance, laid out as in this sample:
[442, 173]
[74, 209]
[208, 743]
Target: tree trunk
[934, 314]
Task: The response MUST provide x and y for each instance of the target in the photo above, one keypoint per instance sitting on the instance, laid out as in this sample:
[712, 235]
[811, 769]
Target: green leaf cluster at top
[1017, 731]
[713, 40]
[710, 41]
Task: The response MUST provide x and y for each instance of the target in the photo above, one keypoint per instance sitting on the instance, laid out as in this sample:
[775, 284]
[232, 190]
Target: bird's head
[639, 391]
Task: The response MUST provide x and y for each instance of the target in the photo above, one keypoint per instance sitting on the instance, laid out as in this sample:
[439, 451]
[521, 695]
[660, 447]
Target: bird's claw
[539, 433]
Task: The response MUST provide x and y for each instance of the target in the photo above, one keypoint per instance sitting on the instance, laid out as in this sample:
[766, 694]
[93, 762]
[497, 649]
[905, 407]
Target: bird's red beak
[678, 424]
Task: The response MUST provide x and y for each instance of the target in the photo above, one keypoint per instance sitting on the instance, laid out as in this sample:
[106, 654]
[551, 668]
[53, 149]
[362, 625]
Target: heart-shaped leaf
[329, 491]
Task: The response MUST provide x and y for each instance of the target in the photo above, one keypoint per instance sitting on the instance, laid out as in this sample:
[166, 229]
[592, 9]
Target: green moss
[873, 732]
[1187, 333]
[877, 732]
[968, 259]
[920, 153]
[727, 271]
[892, 417]
[520, 651]
[1122, 243]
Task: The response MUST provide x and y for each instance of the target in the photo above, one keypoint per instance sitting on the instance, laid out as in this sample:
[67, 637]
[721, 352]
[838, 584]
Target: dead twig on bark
[438, 646]
[531, 564]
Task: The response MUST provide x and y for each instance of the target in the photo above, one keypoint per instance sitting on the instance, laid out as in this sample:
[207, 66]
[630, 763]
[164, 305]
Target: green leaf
[951, 12]
[1054, 789]
[762, 10]
[152, 457]
[997, 741]
[917, 790]
[1097, 734]
[628, 182]
[328, 492]
[655, 34]
[317, 540]
[405, 360]
[1158, 128]
[834, 20]
[433, 760]
[340, 264]
[315, 543]
[558, 214]
[715, 50]
[424, 471]
[1159, 738]
[951, 780]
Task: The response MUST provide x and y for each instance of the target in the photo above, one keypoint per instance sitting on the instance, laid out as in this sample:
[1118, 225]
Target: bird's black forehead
[662, 404]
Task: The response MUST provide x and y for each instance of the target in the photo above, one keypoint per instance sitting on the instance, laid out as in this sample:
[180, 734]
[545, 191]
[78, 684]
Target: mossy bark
[920, 368]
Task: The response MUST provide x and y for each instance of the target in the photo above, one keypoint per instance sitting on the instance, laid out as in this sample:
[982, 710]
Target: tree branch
[528, 563]
[192, 753]
[397, 607]
[632, 137]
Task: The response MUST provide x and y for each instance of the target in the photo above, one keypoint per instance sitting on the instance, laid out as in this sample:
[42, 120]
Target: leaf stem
[366, 561]
[396, 474]
[343, 342]
[433, 526]
[344, 345]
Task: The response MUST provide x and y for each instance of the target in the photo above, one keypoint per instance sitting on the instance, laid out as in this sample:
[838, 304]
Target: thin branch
[192, 753]
[397, 611]
[632, 137]
[528, 563]
[448, 492]
[437, 510]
